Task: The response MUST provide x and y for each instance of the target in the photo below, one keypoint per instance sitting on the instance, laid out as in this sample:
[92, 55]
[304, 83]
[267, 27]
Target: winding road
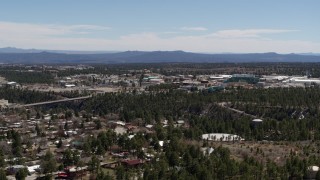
[224, 105]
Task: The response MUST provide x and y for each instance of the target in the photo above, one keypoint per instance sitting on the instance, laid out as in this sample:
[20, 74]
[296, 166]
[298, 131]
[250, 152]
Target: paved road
[224, 105]
[55, 101]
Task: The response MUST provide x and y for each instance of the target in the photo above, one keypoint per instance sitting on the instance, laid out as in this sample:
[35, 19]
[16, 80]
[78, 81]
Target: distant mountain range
[34, 56]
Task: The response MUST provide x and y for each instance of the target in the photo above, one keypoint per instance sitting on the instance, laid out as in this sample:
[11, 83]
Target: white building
[70, 85]
[221, 137]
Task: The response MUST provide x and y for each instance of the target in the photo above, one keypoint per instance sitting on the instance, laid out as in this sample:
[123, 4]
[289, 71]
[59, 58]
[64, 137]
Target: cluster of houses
[48, 131]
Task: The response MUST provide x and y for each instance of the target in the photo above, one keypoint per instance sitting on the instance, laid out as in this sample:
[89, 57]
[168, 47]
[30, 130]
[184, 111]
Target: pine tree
[48, 163]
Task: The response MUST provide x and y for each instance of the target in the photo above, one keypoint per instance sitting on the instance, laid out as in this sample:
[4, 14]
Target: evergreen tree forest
[288, 113]
[27, 77]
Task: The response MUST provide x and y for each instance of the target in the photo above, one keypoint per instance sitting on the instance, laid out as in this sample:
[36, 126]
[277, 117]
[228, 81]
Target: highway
[56, 101]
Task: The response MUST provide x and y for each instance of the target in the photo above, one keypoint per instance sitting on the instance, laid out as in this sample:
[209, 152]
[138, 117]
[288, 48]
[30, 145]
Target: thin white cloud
[194, 29]
[248, 33]
[61, 37]
[87, 27]
[151, 41]
[170, 32]
[27, 30]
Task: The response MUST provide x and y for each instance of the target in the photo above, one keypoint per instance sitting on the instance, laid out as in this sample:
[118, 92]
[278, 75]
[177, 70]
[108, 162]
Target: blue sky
[282, 26]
